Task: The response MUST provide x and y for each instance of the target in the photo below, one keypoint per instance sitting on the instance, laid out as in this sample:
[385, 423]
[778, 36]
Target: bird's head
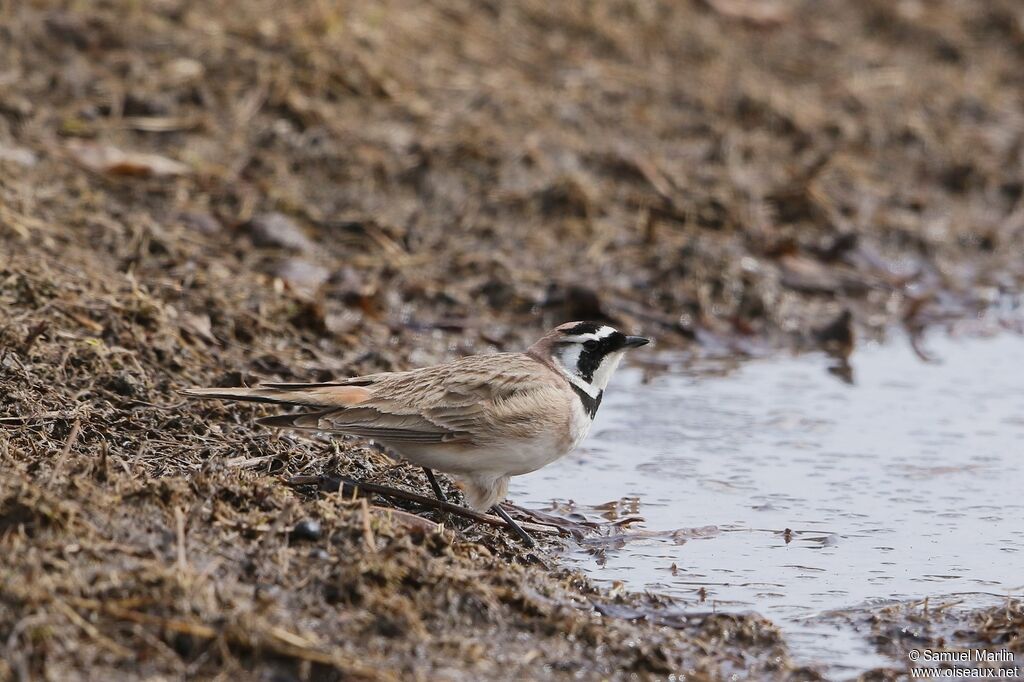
[586, 352]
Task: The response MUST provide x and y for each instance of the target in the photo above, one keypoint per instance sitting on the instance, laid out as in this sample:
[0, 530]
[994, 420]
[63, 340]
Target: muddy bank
[216, 574]
[191, 196]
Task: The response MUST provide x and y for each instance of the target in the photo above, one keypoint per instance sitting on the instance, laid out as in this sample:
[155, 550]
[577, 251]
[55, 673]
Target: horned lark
[480, 419]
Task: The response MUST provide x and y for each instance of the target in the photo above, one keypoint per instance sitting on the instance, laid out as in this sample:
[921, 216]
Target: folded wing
[461, 401]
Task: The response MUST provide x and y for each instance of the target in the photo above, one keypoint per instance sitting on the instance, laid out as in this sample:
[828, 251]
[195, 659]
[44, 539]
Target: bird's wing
[464, 401]
[461, 401]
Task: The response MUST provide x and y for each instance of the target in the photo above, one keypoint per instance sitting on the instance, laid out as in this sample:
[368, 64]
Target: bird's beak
[636, 341]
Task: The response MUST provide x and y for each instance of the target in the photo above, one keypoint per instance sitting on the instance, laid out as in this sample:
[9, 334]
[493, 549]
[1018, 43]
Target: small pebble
[277, 230]
[200, 221]
[301, 274]
[307, 529]
[19, 155]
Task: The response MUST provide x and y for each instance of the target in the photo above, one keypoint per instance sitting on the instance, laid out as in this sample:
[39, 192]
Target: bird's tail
[309, 395]
[326, 398]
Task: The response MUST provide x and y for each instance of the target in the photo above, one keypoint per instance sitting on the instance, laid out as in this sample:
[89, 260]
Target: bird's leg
[437, 491]
[435, 485]
[513, 526]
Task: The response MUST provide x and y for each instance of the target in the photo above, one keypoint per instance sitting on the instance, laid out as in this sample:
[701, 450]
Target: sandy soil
[193, 193]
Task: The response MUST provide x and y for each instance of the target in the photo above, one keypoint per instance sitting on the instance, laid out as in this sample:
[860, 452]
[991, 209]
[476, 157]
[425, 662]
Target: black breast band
[590, 404]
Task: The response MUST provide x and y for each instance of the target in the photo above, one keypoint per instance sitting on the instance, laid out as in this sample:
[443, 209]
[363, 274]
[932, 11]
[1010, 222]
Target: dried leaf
[760, 13]
[114, 161]
[197, 326]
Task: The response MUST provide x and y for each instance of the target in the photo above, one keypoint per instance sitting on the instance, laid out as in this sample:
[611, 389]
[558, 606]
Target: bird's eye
[590, 345]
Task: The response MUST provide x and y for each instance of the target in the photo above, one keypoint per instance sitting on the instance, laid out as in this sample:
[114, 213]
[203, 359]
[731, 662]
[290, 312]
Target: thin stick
[368, 539]
[179, 528]
[68, 444]
[435, 485]
[350, 487]
[437, 491]
[93, 632]
[514, 527]
[28, 419]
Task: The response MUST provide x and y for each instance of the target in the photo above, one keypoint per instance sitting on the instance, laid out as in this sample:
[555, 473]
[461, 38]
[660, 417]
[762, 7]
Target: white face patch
[567, 357]
[604, 371]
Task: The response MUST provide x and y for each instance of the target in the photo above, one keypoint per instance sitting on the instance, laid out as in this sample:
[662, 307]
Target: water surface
[907, 484]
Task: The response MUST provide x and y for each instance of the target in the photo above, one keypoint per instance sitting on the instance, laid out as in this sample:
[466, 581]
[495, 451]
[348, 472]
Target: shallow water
[907, 484]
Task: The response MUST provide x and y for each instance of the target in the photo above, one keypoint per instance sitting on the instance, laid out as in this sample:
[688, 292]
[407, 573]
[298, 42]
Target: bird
[480, 419]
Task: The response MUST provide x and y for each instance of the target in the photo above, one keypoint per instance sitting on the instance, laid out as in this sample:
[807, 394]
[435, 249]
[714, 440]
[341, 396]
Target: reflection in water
[777, 488]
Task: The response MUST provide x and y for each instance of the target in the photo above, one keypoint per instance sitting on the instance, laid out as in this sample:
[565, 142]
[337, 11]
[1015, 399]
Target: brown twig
[350, 487]
[368, 538]
[68, 444]
[22, 420]
[92, 631]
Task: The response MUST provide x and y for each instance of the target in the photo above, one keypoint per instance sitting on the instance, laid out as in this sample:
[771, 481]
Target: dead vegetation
[956, 623]
[197, 195]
